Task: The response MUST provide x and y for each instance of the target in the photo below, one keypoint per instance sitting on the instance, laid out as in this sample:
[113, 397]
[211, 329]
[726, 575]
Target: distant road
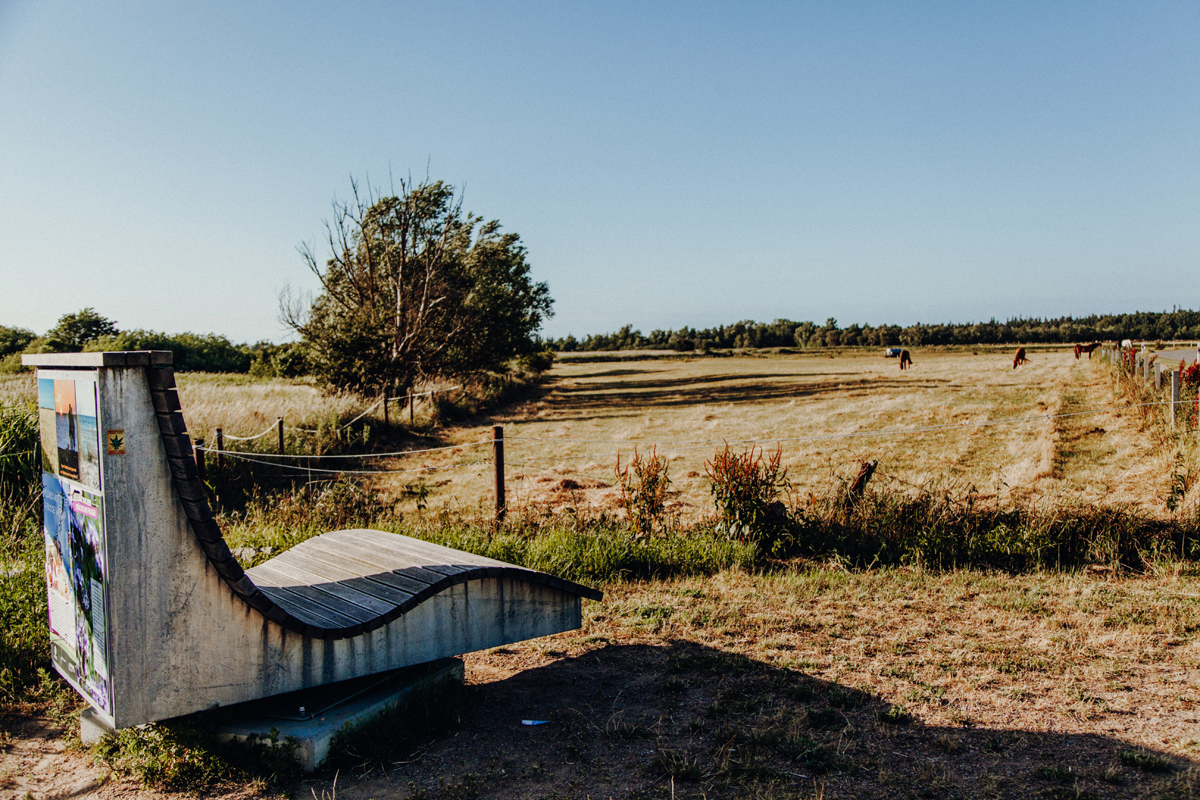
[1176, 355]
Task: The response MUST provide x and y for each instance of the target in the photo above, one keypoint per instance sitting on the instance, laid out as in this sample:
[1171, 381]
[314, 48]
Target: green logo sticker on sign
[115, 439]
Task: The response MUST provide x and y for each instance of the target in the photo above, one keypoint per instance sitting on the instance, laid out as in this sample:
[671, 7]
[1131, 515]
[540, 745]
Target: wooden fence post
[1174, 396]
[498, 459]
[411, 412]
[198, 452]
[385, 408]
[279, 427]
[220, 448]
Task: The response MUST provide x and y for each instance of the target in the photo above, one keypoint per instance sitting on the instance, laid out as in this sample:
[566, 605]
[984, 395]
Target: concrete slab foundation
[310, 719]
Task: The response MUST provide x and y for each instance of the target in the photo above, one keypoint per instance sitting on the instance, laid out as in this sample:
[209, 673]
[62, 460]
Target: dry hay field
[955, 420]
[802, 680]
[947, 422]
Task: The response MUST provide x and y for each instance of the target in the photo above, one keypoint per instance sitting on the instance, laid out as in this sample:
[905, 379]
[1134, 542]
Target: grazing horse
[1085, 348]
[905, 358]
[1020, 358]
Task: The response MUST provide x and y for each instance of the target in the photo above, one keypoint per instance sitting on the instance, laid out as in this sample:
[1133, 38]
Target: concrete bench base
[335, 709]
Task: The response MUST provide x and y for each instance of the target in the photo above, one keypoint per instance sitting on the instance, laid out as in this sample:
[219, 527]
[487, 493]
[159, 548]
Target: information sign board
[73, 505]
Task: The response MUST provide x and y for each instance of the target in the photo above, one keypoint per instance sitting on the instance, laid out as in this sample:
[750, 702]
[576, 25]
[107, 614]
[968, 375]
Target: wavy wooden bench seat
[168, 622]
[348, 582]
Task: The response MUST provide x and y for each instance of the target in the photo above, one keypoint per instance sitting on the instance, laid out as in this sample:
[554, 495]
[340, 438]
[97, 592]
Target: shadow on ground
[682, 720]
[571, 399]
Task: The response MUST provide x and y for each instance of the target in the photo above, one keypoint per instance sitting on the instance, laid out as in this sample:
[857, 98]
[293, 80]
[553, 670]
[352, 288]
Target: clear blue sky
[664, 163]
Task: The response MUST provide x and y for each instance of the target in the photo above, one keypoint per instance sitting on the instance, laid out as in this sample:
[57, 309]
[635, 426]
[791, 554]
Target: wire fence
[410, 398]
[671, 445]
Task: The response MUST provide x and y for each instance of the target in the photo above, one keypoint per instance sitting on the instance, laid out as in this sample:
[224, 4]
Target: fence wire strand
[296, 468]
[248, 438]
[395, 454]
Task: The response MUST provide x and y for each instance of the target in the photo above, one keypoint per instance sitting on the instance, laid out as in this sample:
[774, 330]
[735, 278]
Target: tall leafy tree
[14, 340]
[74, 331]
[415, 287]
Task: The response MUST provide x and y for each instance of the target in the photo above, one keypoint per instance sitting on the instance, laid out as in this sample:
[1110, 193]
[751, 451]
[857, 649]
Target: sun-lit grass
[245, 406]
[18, 388]
[829, 415]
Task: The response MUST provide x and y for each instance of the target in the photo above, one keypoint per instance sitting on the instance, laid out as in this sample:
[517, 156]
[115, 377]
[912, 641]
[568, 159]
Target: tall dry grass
[924, 425]
[243, 405]
[18, 388]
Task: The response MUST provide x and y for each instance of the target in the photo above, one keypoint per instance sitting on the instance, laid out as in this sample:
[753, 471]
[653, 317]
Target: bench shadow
[685, 720]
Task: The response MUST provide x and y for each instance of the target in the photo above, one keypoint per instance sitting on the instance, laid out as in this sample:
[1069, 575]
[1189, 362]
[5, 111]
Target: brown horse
[1085, 348]
[1020, 358]
[905, 358]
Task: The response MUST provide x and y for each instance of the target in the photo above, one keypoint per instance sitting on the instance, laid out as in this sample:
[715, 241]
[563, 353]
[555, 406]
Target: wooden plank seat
[167, 621]
[347, 582]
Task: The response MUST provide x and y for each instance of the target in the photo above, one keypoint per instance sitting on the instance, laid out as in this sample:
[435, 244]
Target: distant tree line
[1148, 325]
[87, 331]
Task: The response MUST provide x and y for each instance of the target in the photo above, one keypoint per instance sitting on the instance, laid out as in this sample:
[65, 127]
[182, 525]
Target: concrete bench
[153, 617]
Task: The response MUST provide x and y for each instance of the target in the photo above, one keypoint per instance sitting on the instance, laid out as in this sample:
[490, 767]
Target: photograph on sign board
[58, 559]
[67, 423]
[48, 425]
[89, 434]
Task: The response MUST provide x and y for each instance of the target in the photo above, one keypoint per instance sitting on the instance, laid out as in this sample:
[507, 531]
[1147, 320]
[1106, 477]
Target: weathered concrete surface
[180, 640]
[313, 736]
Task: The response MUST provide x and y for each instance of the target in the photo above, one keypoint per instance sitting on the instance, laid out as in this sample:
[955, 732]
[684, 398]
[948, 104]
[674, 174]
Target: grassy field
[710, 671]
[828, 415]
[931, 425]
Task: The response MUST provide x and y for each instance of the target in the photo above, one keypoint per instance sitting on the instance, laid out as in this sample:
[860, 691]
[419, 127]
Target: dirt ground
[810, 683]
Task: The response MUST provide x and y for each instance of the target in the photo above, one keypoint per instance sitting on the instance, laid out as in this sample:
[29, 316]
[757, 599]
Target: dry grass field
[798, 680]
[954, 420]
[940, 423]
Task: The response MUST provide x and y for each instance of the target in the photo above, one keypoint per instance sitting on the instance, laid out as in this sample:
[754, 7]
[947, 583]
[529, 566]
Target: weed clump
[24, 647]
[188, 757]
[940, 528]
[746, 488]
[644, 492]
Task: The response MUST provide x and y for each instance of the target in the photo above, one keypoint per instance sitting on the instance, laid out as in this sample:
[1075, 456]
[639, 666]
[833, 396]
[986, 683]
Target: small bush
[536, 363]
[11, 365]
[896, 715]
[644, 493]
